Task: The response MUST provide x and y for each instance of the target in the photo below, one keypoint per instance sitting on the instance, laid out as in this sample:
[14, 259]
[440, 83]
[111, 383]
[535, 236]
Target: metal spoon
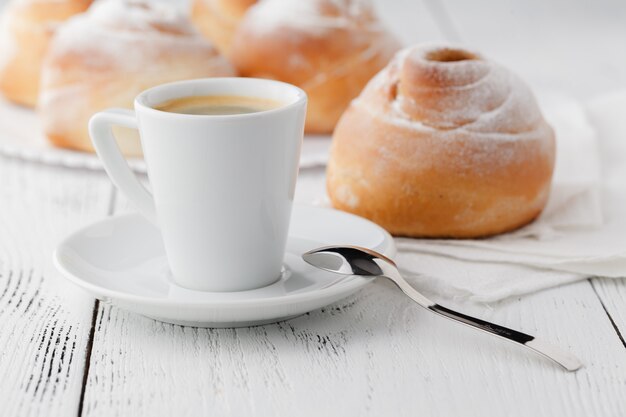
[354, 260]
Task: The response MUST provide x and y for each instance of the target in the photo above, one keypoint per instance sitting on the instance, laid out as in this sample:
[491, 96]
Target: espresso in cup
[221, 187]
[218, 105]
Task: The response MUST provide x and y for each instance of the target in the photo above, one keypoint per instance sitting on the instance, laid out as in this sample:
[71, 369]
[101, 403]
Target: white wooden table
[374, 354]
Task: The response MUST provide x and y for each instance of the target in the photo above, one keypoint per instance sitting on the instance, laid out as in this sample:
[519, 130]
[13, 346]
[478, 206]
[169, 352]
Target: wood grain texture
[372, 354]
[612, 294]
[376, 353]
[44, 322]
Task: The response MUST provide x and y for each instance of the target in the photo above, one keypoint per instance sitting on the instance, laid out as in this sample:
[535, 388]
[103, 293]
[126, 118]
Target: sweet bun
[26, 29]
[329, 48]
[105, 57]
[443, 143]
[218, 19]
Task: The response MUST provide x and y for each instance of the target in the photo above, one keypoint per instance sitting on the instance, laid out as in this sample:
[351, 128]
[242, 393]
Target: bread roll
[329, 48]
[105, 57]
[25, 30]
[443, 143]
[218, 19]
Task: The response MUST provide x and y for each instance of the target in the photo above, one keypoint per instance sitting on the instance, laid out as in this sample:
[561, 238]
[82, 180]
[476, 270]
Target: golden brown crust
[329, 49]
[217, 20]
[442, 149]
[89, 66]
[27, 27]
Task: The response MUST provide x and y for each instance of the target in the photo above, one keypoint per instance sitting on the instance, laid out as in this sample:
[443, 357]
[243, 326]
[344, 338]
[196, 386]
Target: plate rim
[99, 292]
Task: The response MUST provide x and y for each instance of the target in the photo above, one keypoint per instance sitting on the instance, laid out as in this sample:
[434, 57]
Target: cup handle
[100, 130]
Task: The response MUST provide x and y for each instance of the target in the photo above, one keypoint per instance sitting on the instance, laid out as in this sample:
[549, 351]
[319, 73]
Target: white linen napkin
[581, 232]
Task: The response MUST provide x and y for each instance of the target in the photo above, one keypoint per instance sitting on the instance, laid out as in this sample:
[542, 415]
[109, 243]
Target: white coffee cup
[222, 185]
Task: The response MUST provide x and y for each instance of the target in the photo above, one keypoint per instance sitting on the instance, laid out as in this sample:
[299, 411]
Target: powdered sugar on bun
[218, 19]
[317, 16]
[451, 88]
[105, 57]
[25, 31]
[130, 34]
[443, 143]
[329, 48]
[8, 44]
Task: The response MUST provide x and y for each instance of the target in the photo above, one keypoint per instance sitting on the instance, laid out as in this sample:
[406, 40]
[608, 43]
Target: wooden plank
[44, 322]
[612, 294]
[372, 354]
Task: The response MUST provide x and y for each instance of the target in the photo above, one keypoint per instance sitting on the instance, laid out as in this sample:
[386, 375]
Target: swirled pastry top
[317, 36]
[442, 143]
[444, 88]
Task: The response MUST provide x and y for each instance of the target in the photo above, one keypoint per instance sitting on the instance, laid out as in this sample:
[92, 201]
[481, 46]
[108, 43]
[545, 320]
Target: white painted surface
[372, 354]
[44, 321]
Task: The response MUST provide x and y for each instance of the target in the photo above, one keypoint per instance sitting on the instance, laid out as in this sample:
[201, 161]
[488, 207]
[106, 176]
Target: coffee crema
[218, 105]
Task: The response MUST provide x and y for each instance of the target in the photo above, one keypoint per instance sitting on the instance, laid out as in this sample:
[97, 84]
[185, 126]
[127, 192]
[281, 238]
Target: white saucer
[121, 261]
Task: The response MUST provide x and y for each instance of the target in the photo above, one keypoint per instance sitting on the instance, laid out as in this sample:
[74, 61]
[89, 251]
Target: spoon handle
[561, 357]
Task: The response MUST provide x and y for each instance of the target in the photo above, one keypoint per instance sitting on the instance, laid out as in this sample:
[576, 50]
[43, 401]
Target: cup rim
[141, 104]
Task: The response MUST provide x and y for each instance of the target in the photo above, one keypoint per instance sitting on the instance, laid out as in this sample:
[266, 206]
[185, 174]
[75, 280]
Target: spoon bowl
[355, 260]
